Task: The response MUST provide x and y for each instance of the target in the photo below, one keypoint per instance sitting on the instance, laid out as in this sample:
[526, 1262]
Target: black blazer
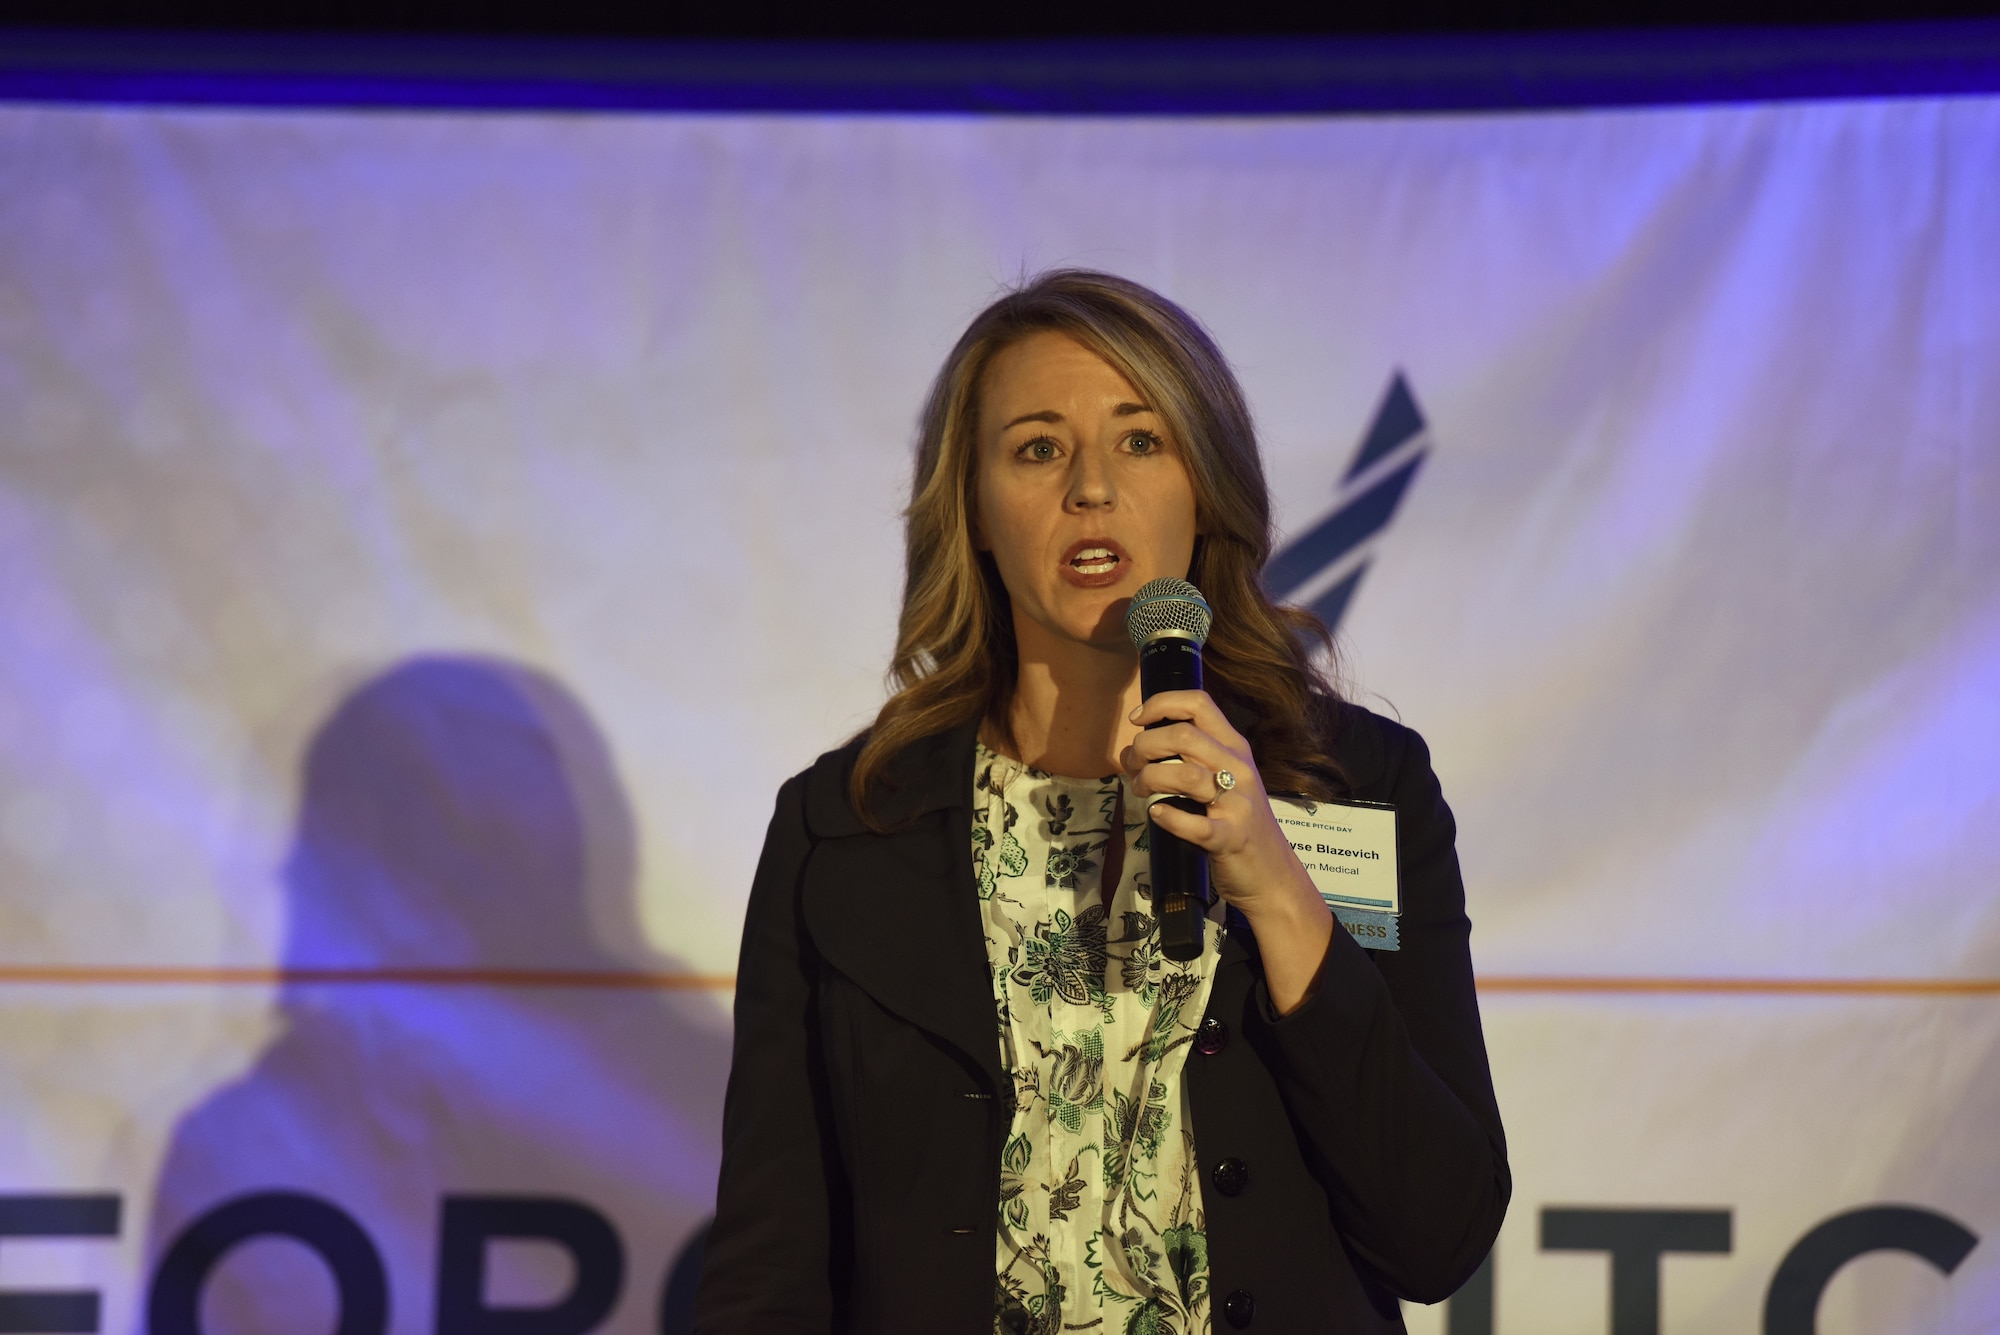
[867, 1105]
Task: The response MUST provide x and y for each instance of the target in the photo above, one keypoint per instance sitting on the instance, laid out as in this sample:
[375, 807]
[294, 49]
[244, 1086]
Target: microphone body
[1169, 621]
[1181, 895]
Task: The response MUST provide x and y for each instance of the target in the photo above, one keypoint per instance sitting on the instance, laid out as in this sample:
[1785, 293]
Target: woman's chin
[1098, 624]
[1106, 628]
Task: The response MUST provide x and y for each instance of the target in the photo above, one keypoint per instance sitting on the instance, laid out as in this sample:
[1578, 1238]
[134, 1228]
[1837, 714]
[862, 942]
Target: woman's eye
[1041, 451]
[1143, 442]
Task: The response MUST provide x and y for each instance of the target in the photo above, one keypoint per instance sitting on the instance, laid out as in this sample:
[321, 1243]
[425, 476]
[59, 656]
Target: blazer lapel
[898, 913]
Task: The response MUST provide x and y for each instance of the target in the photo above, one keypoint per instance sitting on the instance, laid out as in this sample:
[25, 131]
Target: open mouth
[1094, 563]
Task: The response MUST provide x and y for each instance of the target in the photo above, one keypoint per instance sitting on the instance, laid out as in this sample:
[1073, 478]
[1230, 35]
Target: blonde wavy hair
[1268, 666]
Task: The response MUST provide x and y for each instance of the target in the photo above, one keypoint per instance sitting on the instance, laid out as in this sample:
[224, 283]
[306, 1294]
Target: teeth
[1094, 560]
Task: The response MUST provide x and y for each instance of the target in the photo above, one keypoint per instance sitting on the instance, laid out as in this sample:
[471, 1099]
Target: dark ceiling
[954, 19]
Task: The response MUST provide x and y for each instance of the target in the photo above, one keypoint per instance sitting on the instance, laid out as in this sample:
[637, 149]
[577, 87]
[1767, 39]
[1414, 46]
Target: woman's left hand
[1250, 861]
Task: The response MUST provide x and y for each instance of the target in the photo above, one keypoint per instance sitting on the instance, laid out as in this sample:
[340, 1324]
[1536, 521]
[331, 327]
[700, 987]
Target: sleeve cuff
[1347, 989]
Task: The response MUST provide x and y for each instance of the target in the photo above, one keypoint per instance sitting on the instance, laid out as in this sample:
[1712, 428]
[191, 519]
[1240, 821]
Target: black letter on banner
[54, 1217]
[1636, 1240]
[683, 1278]
[175, 1305]
[1792, 1305]
[470, 1222]
[1470, 1310]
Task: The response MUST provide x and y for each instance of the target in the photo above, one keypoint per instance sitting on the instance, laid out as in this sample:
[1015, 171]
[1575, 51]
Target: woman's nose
[1090, 484]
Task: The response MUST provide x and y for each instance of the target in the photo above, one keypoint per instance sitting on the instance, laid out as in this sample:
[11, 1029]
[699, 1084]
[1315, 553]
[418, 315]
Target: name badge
[1349, 850]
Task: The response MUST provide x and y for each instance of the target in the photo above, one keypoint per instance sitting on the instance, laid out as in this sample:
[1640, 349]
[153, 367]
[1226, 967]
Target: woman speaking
[970, 1089]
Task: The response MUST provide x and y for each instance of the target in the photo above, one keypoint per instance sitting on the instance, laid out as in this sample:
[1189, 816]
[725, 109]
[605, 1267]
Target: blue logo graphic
[1322, 567]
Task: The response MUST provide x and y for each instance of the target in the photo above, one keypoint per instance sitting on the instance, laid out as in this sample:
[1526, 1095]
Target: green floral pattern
[1101, 1222]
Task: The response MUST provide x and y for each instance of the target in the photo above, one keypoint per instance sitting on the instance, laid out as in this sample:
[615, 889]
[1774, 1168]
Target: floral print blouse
[1101, 1223]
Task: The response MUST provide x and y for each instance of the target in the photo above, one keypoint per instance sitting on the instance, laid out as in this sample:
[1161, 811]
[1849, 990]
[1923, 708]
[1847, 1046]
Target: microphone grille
[1168, 605]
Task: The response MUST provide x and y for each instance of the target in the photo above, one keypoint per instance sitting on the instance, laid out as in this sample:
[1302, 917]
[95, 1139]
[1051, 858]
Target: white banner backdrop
[426, 542]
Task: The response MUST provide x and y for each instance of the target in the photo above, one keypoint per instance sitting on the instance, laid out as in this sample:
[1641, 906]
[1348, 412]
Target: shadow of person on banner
[452, 1127]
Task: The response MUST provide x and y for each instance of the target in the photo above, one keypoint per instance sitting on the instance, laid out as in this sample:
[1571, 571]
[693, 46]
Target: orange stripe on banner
[1765, 987]
[155, 975]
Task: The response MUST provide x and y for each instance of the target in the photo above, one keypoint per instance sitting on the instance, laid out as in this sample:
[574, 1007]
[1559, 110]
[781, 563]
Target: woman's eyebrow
[1051, 416]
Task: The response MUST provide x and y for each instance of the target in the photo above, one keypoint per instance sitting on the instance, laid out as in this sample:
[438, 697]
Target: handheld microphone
[1169, 621]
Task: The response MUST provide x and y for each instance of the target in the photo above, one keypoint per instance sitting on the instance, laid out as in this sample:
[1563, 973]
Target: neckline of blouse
[986, 754]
